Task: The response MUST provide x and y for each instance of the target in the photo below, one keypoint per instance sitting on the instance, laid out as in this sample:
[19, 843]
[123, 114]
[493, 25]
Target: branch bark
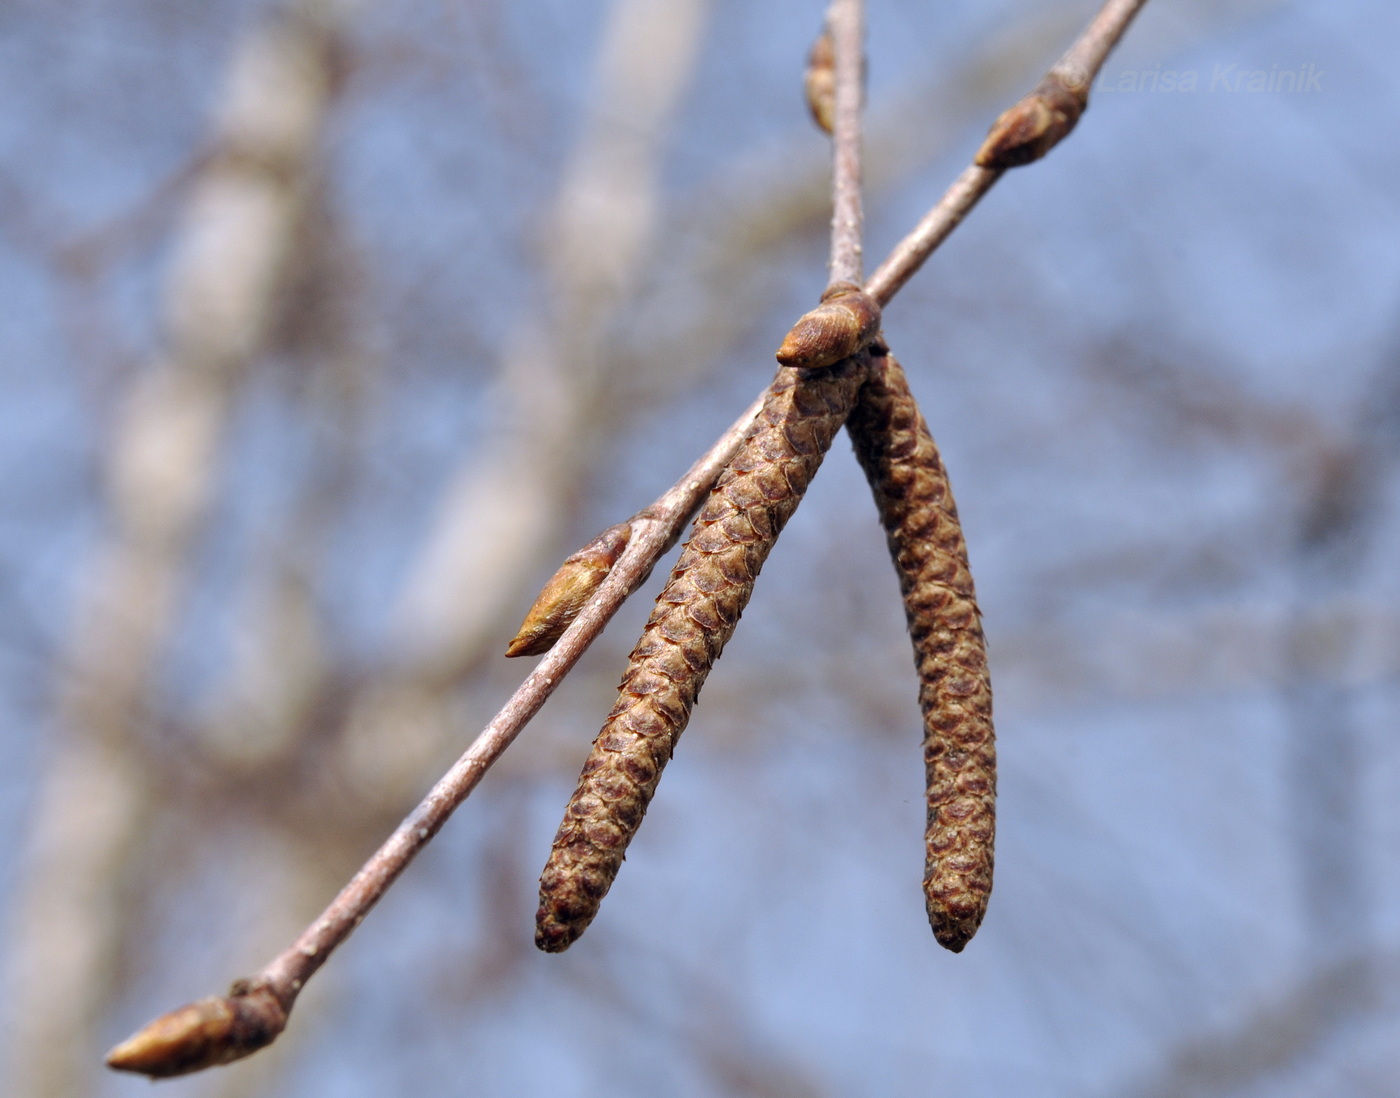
[847, 28]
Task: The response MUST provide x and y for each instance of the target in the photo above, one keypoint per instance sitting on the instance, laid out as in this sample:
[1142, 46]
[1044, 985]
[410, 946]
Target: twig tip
[203, 1034]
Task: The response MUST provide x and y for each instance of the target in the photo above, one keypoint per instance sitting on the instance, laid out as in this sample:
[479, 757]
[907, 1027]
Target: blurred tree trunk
[85, 884]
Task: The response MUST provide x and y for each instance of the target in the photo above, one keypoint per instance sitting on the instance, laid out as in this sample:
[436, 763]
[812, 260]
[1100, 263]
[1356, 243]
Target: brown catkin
[893, 444]
[693, 619]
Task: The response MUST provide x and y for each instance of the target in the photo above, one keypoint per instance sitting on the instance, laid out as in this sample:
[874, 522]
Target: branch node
[1035, 125]
[842, 325]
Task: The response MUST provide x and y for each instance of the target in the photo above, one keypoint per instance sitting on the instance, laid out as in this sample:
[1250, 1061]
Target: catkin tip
[553, 936]
[953, 938]
[954, 924]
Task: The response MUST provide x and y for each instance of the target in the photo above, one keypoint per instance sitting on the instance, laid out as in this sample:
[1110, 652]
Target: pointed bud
[843, 324]
[1034, 126]
[202, 1034]
[568, 589]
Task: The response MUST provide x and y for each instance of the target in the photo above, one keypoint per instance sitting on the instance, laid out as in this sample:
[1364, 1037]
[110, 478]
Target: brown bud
[568, 589]
[893, 445]
[843, 324]
[202, 1034]
[1034, 126]
[819, 82]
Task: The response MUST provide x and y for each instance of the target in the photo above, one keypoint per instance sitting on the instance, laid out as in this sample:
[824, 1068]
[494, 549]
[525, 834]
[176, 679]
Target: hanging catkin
[893, 445]
[692, 621]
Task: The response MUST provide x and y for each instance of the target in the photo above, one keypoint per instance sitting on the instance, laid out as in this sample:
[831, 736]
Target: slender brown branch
[1082, 61]
[1025, 132]
[846, 22]
[909, 254]
[182, 1041]
[653, 530]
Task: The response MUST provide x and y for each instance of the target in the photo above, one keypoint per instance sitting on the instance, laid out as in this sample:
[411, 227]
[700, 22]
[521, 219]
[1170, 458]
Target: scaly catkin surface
[693, 619]
[894, 447]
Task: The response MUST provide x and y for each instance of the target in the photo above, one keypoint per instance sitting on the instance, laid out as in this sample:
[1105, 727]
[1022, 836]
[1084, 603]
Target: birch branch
[221, 1029]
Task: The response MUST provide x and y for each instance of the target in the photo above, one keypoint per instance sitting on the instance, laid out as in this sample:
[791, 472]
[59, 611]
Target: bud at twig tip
[202, 1034]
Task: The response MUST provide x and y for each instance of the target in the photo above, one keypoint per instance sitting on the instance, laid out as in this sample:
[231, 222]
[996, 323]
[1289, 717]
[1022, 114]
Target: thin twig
[847, 319]
[909, 254]
[653, 531]
[1082, 61]
[1036, 126]
[267, 998]
[847, 25]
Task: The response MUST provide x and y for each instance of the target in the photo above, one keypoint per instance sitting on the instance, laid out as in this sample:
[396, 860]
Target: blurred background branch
[89, 881]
